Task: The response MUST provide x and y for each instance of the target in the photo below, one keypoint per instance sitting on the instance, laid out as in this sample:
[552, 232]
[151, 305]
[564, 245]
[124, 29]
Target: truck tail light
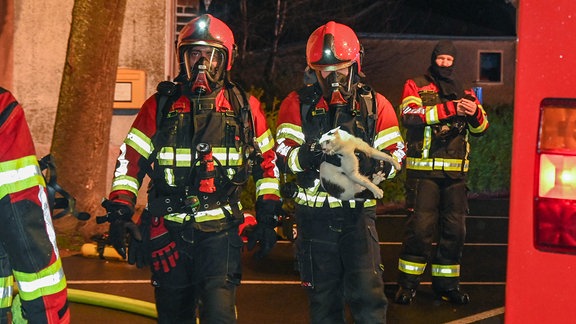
[555, 190]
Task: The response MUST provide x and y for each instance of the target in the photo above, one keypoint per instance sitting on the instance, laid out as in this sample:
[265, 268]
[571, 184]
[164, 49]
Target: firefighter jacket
[305, 115]
[170, 145]
[436, 138]
[26, 233]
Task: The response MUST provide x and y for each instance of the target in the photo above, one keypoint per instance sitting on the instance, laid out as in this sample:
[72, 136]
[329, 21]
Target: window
[490, 67]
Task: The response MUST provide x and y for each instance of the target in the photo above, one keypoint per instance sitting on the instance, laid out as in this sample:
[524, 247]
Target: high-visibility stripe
[432, 115]
[182, 157]
[436, 164]
[20, 174]
[139, 142]
[290, 131]
[201, 216]
[417, 101]
[6, 290]
[293, 162]
[413, 268]
[266, 186]
[312, 197]
[388, 137]
[266, 141]
[124, 182]
[46, 282]
[427, 142]
[445, 270]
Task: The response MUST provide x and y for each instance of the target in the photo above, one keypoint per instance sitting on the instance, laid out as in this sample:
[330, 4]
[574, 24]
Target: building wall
[390, 61]
[41, 30]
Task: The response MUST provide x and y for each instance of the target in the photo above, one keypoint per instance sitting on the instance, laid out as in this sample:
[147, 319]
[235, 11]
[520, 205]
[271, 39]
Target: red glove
[164, 253]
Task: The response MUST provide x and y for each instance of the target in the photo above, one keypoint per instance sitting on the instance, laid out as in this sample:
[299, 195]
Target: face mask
[200, 85]
[336, 87]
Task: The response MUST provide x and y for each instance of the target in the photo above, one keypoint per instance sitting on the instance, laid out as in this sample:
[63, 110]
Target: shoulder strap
[421, 81]
[309, 97]
[369, 99]
[166, 90]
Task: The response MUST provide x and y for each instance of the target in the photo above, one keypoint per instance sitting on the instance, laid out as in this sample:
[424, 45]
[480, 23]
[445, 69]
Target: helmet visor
[208, 59]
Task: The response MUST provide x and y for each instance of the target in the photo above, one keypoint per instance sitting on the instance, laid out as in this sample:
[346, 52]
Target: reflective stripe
[46, 282]
[388, 137]
[432, 115]
[293, 162]
[6, 289]
[290, 131]
[202, 216]
[20, 174]
[266, 186]
[427, 142]
[312, 197]
[412, 268]
[266, 141]
[139, 142]
[183, 156]
[446, 270]
[417, 101]
[125, 182]
[436, 164]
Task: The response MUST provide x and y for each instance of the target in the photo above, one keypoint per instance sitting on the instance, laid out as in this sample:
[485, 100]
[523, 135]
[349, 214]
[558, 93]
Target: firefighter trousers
[339, 262]
[203, 284]
[437, 210]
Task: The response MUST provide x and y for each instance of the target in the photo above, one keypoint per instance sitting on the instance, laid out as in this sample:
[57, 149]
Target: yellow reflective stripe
[436, 164]
[227, 156]
[201, 216]
[445, 270]
[411, 100]
[388, 137]
[20, 174]
[293, 162]
[265, 141]
[482, 126]
[311, 198]
[413, 268]
[46, 282]
[266, 186]
[6, 289]
[290, 131]
[139, 142]
[432, 115]
[124, 182]
[427, 142]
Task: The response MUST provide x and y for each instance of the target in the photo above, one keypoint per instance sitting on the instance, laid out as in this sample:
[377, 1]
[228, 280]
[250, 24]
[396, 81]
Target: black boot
[404, 296]
[455, 296]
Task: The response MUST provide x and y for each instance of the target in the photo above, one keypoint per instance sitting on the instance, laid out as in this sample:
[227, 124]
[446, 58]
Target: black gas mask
[336, 87]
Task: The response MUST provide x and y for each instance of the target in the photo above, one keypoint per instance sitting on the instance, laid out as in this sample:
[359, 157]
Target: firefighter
[438, 116]
[28, 253]
[337, 247]
[198, 140]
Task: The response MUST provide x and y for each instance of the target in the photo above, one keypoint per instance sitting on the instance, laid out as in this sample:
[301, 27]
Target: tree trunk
[82, 127]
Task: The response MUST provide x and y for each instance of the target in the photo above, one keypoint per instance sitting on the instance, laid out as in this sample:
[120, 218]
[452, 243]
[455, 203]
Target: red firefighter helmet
[206, 30]
[333, 46]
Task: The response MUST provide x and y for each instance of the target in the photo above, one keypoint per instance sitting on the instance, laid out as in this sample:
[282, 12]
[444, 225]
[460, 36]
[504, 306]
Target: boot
[404, 296]
[455, 296]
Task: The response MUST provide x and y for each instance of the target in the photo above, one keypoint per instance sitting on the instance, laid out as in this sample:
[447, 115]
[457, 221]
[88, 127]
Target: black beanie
[443, 47]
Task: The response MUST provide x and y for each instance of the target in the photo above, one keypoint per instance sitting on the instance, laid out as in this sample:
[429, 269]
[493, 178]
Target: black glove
[139, 251]
[310, 155]
[119, 215]
[267, 219]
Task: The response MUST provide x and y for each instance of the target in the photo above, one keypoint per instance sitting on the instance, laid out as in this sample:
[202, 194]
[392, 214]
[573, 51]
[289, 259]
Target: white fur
[346, 176]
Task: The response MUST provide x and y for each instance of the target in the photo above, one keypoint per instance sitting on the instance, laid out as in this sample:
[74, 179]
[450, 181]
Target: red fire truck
[541, 271]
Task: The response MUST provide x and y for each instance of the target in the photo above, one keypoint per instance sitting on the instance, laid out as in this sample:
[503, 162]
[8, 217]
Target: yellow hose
[112, 301]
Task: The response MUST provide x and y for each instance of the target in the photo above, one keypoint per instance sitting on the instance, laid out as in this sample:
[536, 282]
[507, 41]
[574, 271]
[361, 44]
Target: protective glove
[309, 155]
[119, 215]
[139, 251]
[267, 219]
[164, 253]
